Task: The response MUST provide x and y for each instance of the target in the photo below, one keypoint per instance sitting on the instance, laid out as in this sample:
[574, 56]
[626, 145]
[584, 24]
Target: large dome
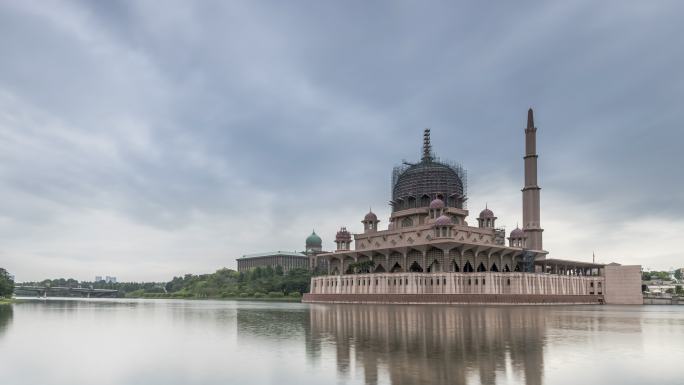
[416, 185]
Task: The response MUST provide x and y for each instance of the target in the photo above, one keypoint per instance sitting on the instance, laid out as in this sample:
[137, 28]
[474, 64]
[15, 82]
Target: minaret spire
[530, 118]
[427, 147]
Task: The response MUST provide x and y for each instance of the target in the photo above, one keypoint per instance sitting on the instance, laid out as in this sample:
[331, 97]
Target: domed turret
[517, 238]
[486, 218]
[437, 204]
[370, 222]
[370, 216]
[314, 242]
[444, 220]
[486, 213]
[443, 226]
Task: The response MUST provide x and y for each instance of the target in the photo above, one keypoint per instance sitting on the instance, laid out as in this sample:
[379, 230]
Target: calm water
[215, 342]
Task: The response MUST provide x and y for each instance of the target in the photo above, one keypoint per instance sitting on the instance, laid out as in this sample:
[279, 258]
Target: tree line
[6, 284]
[224, 283]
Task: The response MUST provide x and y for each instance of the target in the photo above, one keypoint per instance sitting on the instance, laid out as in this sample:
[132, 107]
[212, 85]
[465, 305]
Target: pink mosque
[429, 253]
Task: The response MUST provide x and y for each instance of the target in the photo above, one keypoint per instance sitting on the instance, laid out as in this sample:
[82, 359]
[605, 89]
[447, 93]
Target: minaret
[531, 223]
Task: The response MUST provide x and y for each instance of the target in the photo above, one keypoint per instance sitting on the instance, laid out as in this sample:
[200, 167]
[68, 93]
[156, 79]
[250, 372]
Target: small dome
[437, 204]
[371, 217]
[444, 220]
[486, 213]
[343, 235]
[517, 233]
[313, 240]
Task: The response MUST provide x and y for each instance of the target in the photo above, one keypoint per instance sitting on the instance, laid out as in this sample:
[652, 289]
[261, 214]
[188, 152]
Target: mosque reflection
[431, 344]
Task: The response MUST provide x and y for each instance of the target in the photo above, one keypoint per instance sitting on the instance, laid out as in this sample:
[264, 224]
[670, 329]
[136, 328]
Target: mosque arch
[396, 268]
[379, 268]
[395, 258]
[455, 259]
[415, 268]
[506, 269]
[434, 267]
[481, 267]
[467, 268]
[435, 255]
[415, 256]
[494, 268]
[407, 222]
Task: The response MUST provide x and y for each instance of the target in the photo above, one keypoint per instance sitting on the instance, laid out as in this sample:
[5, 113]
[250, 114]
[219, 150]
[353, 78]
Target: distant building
[288, 260]
[98, 278]
[109, 279]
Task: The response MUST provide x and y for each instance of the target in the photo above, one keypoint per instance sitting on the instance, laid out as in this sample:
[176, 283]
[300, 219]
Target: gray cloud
[149, 141]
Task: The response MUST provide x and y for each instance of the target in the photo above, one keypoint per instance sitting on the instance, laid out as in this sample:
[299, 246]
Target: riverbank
[7, 301]
[270, 297]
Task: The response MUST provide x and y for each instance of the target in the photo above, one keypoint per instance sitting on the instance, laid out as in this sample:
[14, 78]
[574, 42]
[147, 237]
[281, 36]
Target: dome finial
[427, 147]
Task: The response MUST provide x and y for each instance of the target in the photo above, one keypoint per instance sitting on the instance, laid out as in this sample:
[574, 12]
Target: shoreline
[261, 299]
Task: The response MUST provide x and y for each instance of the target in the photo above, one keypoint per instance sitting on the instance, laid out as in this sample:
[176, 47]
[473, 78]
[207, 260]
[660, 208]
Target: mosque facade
[429, 253]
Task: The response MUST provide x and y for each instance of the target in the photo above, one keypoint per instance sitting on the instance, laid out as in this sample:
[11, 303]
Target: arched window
[407, 222]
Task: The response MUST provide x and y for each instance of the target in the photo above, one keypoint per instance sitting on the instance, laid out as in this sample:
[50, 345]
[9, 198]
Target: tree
[678, 274]
[6, 284]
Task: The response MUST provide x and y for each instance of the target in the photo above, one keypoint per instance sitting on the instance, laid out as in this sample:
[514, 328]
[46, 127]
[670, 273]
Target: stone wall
[623, 285]
[481, 283]
[539, 299]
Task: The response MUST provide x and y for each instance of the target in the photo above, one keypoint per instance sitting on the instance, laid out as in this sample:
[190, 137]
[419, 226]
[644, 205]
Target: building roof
[274, 253]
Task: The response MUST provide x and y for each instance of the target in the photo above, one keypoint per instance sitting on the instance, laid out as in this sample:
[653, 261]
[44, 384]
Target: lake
[106, 341]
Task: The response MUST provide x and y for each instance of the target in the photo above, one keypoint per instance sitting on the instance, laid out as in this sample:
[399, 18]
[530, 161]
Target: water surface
[149, 342]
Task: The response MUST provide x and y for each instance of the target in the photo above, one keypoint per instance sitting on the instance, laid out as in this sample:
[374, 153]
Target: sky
[145, 139]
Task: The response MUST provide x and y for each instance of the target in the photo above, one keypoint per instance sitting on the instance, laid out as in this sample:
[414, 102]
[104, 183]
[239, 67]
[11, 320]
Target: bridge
[85, 292]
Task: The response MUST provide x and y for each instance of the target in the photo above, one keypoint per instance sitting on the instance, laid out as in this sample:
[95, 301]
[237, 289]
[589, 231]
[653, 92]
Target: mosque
[430, 254]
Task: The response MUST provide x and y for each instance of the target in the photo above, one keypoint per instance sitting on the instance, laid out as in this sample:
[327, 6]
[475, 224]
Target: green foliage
[363, 267]
[653, 275]
[679, 290]
[6, 284]
[226, 283]
[678, 274]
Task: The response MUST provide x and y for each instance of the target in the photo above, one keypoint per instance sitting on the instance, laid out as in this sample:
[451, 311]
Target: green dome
[313, 240]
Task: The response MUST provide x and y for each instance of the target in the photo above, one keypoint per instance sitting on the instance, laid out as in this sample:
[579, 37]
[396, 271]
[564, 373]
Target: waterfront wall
[483, 299]
[490, 283]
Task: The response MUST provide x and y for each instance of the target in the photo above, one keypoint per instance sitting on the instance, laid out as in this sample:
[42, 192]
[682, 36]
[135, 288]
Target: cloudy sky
[147, 139]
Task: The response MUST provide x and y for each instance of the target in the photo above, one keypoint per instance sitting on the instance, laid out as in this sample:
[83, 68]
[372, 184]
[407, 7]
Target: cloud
[145, 141]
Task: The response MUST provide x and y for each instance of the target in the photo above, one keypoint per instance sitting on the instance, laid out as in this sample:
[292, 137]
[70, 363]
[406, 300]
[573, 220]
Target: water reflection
[6, 314]
[438, 345]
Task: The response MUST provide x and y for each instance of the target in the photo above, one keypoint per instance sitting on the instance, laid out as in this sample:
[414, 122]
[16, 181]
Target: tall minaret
[531, 223]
